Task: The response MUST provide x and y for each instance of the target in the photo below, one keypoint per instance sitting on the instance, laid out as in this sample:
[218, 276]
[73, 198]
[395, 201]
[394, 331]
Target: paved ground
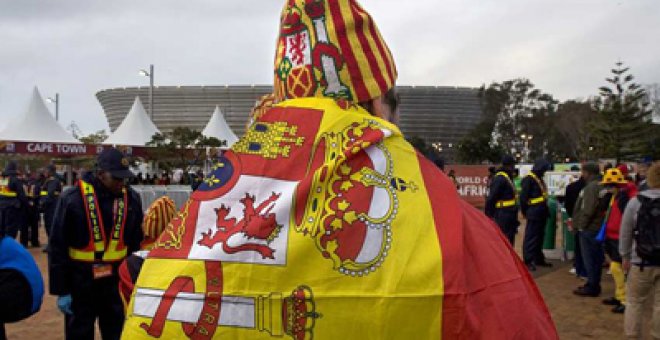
[575, 317]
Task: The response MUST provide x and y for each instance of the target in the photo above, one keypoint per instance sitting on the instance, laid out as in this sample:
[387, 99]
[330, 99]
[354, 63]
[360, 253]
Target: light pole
[57, 105]
[526, 139]
[150, 74]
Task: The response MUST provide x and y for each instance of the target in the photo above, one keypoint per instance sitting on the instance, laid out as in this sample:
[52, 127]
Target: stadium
[437, 114]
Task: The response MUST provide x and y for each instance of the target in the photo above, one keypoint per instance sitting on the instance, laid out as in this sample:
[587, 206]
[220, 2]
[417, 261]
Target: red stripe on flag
[366, 48]
[488, 292]
[383, 51]
[346, 50]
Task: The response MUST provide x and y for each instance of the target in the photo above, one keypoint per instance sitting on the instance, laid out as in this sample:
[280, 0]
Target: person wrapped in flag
[323, 222]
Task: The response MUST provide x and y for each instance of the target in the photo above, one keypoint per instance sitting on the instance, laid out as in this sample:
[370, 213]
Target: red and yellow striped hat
[331, 48]
[156, 219]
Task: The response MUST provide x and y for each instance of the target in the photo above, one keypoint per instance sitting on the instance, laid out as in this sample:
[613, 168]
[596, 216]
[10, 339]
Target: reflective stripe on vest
[96, 248]
[511, 202]
[538, 200]
[505, 204]
[45, 193]
[4, 188]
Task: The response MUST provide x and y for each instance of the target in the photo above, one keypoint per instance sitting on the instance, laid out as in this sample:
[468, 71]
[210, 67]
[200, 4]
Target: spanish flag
[323, 222]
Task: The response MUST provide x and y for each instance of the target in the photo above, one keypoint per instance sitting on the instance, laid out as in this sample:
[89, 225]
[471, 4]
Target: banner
[558, 181]
[63, 149]
[472, 183]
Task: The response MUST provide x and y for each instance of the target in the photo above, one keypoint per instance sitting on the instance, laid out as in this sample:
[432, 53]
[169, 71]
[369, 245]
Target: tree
[477, 145]
[524, 110]
[511, 109]
[74, 129]
[570, 135]
[623, 127]
[94, 138]
[182, 148]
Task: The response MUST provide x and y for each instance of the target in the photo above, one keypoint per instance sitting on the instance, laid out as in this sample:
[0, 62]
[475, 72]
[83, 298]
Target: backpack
[647, 230]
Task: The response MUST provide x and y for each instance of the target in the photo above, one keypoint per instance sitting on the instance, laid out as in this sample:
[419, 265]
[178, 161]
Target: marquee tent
[217, 127]
[136, 129]
[37, 124]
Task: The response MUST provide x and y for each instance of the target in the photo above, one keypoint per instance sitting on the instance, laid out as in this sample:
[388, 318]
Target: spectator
[449, 272]
[21, 284]
[642, 215]
[620, 191]
[452, 176]
[587, 220]
[572, 192]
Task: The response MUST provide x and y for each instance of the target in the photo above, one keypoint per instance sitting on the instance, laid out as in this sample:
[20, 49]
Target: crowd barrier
[149, 193]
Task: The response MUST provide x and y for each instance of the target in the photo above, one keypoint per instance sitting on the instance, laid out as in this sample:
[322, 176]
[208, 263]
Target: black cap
[508, 160]
[114, 162]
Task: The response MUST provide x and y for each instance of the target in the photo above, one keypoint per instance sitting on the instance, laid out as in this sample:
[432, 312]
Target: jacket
[16, 257]
[533, 198]
[70, 229]
[572, 192]
[621, 200]
[628, 222]
[502, 190]
[588, 215]
[50, 191]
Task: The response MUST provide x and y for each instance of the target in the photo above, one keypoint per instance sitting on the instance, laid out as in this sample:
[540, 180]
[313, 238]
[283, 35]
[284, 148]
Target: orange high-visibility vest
[98, 248]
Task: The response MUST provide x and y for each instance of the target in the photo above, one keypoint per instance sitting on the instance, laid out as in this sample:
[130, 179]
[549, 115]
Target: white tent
[37, 124]
[217, 127]
[136, 129]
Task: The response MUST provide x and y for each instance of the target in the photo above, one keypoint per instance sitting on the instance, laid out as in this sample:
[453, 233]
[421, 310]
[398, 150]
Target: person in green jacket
[587, 220]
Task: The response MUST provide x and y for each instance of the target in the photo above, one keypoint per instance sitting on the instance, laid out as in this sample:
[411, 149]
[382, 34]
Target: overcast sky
[78, 47]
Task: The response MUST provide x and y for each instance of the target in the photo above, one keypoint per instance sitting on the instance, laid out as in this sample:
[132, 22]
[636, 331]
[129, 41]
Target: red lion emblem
[256, 224]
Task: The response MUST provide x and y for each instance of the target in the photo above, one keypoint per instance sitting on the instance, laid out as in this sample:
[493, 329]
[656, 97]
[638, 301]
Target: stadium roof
[136, 129]
[37, 124]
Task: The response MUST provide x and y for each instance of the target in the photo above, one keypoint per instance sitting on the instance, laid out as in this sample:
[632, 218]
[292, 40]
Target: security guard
[97, 224]
[501, 203]
[50, 192]
[534, 206]
[31, 226]
[12, 200]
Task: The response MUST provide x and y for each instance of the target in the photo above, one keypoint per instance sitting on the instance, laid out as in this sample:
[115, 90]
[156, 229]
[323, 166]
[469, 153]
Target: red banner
[62, 149]
[472, 181]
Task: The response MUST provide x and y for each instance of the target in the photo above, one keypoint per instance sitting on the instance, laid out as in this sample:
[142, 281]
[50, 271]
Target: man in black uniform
[534, 206]
[97, 224]
[50, 192]
[31, 231]
[501, 203]
[12, 200]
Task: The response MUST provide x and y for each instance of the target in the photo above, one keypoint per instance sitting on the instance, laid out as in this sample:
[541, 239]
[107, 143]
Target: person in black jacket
[12, 200]
[572, 193]
[97, 224]
[501, 203]
[31, 225]
[50, 192]
[534, 206]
